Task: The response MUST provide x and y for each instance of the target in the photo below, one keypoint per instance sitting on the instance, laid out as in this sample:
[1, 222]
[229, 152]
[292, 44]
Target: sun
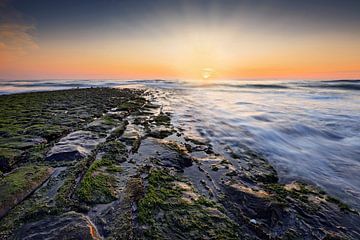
[207, 73]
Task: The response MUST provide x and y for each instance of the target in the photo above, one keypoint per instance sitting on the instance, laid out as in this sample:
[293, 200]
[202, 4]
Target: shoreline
[120, 162]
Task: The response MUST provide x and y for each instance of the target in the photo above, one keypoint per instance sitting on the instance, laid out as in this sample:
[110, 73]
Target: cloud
[16, 36]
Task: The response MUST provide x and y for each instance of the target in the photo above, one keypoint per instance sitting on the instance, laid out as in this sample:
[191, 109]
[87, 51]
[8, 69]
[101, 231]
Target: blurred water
[308, 130]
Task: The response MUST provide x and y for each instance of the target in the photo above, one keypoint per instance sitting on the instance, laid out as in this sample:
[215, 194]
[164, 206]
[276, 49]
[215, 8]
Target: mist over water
[308, 130]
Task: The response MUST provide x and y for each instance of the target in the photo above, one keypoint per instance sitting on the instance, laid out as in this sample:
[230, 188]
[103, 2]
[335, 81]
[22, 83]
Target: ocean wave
[354, 85]
[258, 86]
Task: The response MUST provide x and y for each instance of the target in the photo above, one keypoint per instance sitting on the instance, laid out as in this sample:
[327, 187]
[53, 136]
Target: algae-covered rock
[166, 211]
[48, 131]
[18, 184]
[8, 157]
[114, 150]
[99, 183]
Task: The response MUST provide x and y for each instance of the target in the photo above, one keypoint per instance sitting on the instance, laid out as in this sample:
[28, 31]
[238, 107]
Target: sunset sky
[164, 39]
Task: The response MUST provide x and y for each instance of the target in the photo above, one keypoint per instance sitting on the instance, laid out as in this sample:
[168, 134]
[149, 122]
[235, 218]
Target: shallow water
[308, 130]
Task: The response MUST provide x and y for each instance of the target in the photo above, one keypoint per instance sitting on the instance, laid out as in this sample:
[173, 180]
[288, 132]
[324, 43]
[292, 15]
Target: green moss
[132, 105]
[118, 131]
[108, 120]
[114, 150]
[159, 190]
[162, 119]
[214, 168]
[62, 199]
[48, 131]
[8, 157]
[97, 189]
[37, 153]
[200, 219]
[205, 202]
[281, 194]
[16, 185]
[27, 118]
[98, 186]
[114, 168]
[340, 204]
[302, 194]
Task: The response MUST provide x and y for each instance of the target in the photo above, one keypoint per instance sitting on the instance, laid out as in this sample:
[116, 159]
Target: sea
[308, 130]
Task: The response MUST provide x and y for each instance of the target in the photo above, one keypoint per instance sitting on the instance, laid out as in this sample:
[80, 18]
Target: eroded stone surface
[74, 146]
[69, 225]
[17, 185]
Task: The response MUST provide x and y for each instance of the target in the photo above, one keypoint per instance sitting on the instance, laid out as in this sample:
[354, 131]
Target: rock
[164, 155]
[70, 225]
[74, 146]
[47, 131]
[101, 125]
[8, 157]
[20, 183]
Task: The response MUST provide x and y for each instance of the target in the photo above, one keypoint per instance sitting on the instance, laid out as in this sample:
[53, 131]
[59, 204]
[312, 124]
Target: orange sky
[177, 49]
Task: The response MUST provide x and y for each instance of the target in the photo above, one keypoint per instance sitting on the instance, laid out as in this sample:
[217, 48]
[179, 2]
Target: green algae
[8, 157]
[181, 219]
[114, 150]
[118, 131]
[15, 186]
[48, 131]
[132, 105]
[63, 197]
[98, 186]
[121, 221]
[162, 119]
[342, 206]
[30, 119]
[214, 168]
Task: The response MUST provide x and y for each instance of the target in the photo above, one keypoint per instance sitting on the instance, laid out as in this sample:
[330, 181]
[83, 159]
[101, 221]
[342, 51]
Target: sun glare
[207, 73]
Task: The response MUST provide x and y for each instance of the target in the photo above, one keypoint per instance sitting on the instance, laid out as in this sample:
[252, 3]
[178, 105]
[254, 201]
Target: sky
[188, 39]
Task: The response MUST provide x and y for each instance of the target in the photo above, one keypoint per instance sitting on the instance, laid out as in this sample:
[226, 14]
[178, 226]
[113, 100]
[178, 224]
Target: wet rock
[24, 142]
[163, 154]
[160, 132]
[114, 150]
[99, 183]
[74, 146]
[117, 114]
[132, 105]
[18, 184]
[101, 125]
[118, 131]
[119, 222]
[284, 214]
[131, 137]
[161, 119]
[47, 131]
[254, 166]
[69, 225]
[164, 213]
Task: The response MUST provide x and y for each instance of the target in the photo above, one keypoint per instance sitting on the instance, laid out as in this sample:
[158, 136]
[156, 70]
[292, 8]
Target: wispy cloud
[16, 35]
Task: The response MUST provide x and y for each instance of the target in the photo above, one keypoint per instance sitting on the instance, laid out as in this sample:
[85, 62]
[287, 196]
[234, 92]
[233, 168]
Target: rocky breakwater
[109, 164]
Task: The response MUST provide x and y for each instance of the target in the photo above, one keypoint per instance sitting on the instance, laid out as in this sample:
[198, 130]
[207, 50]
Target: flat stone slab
[19, 184]
[70, 225]
[74, 146]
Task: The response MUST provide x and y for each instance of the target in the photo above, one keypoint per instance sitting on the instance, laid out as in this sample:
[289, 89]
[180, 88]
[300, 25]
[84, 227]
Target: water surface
[308, 130]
